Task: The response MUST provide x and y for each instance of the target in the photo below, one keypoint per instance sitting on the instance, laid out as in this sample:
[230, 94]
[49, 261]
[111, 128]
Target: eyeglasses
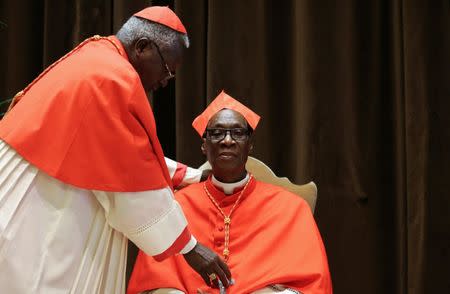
[170, 75]
[218, 134]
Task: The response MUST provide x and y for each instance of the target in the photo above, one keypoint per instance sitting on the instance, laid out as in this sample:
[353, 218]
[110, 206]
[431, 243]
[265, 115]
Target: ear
[141, 45]
[203, 147]
[250, 147]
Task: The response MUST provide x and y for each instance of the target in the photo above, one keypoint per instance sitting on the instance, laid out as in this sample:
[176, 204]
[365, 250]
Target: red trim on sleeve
[176, 247]
[179, 174]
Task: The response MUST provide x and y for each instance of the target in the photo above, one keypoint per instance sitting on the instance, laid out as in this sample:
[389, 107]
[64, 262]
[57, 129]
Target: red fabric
[164, 16]
[273, 240]
[223, 100]
[88, 123]
[176, 247]
[178, 177]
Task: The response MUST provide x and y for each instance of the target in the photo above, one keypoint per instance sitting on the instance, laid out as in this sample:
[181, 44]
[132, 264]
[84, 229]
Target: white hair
[135, 28]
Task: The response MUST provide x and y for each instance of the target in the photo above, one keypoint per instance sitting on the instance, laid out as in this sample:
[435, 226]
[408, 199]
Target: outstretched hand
[205, 262]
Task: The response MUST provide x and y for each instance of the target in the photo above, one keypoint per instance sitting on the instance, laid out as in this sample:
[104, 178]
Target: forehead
[227, 118]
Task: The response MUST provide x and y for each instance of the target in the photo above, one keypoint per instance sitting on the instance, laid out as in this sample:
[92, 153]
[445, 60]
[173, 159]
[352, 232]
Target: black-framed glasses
[170, 75]
[218, 134]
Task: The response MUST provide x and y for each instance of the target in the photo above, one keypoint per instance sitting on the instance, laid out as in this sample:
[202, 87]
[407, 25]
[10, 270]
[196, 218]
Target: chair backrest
[263, 173]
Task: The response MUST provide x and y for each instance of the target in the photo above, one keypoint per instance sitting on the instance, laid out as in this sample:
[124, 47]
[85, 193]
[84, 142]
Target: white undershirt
[228, 188]
[56, 237]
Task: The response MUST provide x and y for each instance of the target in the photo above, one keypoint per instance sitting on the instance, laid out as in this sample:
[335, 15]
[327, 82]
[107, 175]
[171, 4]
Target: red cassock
[273, 240]
[88, 123]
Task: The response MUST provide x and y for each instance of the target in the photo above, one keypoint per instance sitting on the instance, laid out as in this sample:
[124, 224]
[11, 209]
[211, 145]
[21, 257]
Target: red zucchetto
[162, 15]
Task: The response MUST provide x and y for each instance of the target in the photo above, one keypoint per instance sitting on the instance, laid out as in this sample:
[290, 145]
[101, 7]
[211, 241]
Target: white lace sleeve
[153, 220]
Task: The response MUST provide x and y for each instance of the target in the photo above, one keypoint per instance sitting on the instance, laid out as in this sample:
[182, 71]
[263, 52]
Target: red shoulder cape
[88, 123]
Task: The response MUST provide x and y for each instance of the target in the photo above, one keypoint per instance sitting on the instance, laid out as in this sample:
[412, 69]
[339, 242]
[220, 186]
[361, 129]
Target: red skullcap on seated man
[267, 235]
[82, 170]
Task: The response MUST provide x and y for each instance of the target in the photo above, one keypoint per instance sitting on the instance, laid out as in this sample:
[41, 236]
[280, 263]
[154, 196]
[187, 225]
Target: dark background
[353, 95]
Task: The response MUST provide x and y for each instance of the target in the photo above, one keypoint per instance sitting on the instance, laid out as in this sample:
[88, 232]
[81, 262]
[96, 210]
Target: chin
[226, 161]
[227, 165]
[228, 175]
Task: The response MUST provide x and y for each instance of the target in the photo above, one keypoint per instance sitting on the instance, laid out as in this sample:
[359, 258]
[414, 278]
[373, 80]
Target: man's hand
[205, 262]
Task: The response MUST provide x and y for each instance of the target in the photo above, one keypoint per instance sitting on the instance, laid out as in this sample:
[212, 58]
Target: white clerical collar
[228, 188]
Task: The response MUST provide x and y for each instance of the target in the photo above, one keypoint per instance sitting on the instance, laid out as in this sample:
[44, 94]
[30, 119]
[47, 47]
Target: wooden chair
[263, 173]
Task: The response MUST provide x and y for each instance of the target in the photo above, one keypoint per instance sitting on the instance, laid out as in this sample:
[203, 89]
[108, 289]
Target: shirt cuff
[189, 246]
[192, 176]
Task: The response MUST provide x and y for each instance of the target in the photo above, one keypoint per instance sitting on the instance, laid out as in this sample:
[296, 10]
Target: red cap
[162, 15]
[223, 100]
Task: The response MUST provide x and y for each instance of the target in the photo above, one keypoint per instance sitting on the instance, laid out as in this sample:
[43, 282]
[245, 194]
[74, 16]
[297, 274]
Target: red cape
[273, 240]
[88, 123]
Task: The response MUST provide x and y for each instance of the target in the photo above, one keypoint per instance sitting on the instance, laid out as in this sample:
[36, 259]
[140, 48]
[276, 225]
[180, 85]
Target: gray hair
[135, 28]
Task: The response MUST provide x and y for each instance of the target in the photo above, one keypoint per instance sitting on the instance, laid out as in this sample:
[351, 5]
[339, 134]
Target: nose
[228, 140]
